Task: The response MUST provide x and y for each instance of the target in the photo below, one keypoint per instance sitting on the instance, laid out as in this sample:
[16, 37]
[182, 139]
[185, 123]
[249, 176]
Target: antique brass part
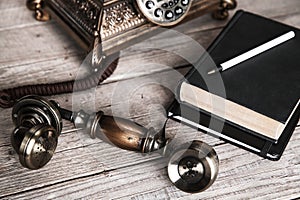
[222, 12]
[38, 125]
[193, 167]
[38, 7]
[32, 110]
[115, 24]
[38, 146]
[142, 29]
[80, 18]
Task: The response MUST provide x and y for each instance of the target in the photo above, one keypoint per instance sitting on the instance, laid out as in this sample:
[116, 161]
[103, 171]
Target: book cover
[260, 95]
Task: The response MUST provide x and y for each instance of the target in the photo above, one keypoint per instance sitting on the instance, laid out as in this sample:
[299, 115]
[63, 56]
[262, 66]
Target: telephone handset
[164, 12]
[193, 166]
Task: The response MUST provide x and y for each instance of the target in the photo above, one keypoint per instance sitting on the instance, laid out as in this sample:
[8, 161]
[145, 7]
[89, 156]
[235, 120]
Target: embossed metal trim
[85, 12]
[118, 22]
[118, 18]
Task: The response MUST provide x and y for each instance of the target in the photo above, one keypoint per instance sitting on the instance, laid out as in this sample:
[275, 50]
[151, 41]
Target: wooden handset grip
[122, 133]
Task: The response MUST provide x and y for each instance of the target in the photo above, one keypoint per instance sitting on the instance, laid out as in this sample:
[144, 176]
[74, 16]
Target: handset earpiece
[193, 167]
[164, 12]
[38, 125]
[36, 146]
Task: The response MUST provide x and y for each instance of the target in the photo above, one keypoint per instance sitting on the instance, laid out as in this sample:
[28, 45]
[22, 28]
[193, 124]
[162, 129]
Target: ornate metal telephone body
[104, 27]
[117, 24]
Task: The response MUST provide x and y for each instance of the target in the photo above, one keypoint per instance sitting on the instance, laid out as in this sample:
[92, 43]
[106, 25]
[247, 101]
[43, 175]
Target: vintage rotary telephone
[117, 24]
[105, 27]
[192, 167]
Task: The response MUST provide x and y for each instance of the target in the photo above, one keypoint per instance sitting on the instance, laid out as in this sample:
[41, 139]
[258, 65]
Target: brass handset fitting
[120, 132]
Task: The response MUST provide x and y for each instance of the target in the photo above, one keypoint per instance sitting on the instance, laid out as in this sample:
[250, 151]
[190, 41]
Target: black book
[255, 104]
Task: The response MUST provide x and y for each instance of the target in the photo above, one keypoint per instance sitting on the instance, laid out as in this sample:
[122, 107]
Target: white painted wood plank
[35, 43]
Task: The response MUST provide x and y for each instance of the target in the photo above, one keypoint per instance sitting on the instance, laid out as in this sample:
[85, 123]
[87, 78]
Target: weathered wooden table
[35, 52]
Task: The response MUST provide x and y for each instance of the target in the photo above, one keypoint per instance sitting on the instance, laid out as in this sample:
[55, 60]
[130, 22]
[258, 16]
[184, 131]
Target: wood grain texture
[34, 52]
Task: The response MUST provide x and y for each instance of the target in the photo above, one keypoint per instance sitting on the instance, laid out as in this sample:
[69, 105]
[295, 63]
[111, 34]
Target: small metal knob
[38, 7]
[193, 168]
[225, 5]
